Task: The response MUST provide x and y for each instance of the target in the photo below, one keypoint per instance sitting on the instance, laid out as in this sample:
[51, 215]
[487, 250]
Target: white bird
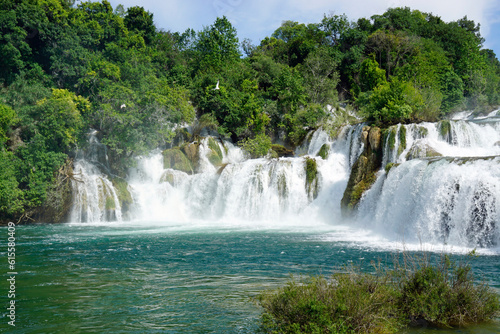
[217, 86]
[122, 106]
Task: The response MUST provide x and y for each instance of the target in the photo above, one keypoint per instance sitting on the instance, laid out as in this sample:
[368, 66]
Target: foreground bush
[440, 295]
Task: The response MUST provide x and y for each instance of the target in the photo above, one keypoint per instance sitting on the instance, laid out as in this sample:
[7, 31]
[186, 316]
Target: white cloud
[259, 18]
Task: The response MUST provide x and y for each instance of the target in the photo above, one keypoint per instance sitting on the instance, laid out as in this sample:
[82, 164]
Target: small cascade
[94, 196]
[446, 188]
[453, 201]
[446, 138]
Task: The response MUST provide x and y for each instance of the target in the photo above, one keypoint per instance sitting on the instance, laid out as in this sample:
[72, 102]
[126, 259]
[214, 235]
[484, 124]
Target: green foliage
[387, 301]
[11, 197]
[345, 303]
[444, 295]
[139, 21]
[371, 75]
[7, 118]
[217, 45]
[257, 147]
[391, 103]
[60, 118]
[320, 77]
[323, 151]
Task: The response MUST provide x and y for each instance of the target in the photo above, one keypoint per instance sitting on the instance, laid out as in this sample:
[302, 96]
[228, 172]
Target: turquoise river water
[168, 278]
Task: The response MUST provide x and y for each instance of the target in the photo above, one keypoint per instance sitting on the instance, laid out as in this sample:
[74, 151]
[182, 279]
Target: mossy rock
[215, 157]
[445, 130]
[312, 184]
[168, 176]
[110, 203]
[360, 188]
[123, 194]
[418, 151]
[175, 159]
[215, 147]
[390, 166]
[324, 151]
[363, 173]
[391, 134]
[422, 132]
[59, 198]
[282, 151]
[402, 139]
[191, 151]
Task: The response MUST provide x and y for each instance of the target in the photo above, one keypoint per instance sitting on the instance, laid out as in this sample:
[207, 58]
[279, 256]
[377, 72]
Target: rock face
[363, 172]
[124, 196]
[282, 151]
[176, 159]
[421, 150]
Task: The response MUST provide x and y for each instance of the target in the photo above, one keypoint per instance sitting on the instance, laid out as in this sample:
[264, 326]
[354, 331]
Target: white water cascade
[446, 188]
[242, 189]
[443, 188]
[94, 196]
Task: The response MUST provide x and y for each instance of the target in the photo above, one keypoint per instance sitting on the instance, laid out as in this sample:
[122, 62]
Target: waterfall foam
[445, 187]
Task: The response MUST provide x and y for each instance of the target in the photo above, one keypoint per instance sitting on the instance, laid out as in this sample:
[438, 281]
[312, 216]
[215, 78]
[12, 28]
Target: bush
[258, 146]
[417, 292]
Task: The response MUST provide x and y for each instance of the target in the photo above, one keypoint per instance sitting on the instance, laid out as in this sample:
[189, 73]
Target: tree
[7, 118]
[218, 44]
[334, 27]
[59, 119]
[140, 21]
[320, 76]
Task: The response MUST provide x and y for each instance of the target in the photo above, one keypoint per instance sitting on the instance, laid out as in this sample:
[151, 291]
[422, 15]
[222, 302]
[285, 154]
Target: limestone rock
[363, 172]
[421, 150]
[282, 151]
[176, 159]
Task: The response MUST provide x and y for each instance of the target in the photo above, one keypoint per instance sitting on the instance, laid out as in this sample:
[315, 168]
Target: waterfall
[453, 201]
[244, 189]
[94, 196]
[446, 138]
[446, 188]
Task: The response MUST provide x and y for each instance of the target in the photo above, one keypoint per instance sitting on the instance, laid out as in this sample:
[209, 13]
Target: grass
[414, 293]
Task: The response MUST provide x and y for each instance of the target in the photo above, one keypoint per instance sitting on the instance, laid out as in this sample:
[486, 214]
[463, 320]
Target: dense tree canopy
[68, 68]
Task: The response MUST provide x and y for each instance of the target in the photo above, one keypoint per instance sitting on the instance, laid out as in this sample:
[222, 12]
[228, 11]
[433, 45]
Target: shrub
[443, 295]
[258, 146]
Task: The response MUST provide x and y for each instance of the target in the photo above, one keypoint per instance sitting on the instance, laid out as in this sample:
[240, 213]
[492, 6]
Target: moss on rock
[445, 130]
[123, 194]
[363, 173]
[57, 205]
[312, 184]
[191, 151]
[419, 150]
[402, 139]
[174, 158]
[282, 151]
[215, 157]
[323, 151]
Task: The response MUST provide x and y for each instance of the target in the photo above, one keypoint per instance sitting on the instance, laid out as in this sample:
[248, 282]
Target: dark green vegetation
[414, 293]
[66, 68]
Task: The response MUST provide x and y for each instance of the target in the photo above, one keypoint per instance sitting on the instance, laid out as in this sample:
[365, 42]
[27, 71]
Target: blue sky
[257, 19]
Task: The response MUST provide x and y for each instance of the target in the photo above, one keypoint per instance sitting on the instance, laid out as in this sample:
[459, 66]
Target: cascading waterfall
[446, 188]
[94, 196]
[241, 189]
[447, 138]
